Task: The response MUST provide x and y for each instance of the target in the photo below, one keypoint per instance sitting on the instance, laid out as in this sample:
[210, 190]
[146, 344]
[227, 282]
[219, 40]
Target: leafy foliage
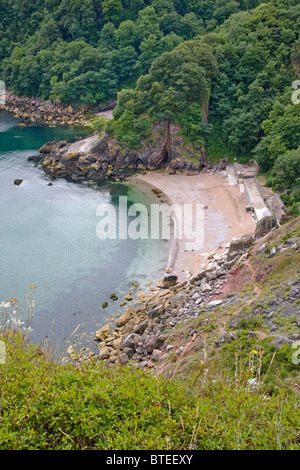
[49, 406]
[163, 60]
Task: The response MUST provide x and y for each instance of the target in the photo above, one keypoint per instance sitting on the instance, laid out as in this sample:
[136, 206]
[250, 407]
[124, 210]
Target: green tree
[108, 36]
[112, 10]
[176, 80]
[287, 168]
[126, 33]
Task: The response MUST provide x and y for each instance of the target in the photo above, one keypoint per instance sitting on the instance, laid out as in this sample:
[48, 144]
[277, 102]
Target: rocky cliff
[108, 159]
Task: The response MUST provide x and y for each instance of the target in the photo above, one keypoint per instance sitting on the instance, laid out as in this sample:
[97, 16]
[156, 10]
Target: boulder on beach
[48, 147]
[103, 332]
[167, 281]
[125, 318]
[264, 226]
[240, 244]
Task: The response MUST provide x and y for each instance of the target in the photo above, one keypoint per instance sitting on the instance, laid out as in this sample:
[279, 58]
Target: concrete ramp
[255, 198]
[232, 176]
[85, 145]
[245, 177]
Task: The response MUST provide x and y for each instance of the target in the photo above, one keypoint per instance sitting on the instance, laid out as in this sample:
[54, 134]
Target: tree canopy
[222, 70]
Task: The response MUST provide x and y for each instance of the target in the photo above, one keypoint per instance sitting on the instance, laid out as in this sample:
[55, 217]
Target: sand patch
[225, 216]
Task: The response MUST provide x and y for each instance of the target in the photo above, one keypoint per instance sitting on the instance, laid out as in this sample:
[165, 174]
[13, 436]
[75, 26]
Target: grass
[50, 406]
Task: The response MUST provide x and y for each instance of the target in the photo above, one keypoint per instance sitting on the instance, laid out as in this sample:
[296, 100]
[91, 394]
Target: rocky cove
[141, 334]
[146, 335]
[105, 158]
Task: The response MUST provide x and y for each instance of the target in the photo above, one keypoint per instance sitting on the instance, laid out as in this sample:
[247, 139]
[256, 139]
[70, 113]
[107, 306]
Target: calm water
[48, 238]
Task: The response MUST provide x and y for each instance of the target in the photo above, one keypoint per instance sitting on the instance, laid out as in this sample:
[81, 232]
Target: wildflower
[253, 384]
[253, 351]
[5, 305]
[13, 301]
[32, 287]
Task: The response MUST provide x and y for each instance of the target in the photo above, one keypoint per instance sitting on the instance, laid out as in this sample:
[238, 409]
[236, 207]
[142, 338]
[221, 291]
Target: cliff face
[108, 159]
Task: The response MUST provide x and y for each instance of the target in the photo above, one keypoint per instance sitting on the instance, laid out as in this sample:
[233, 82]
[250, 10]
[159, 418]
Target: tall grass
[47, 405]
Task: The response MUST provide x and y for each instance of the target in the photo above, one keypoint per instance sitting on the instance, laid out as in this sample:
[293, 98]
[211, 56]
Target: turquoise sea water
[48, 239]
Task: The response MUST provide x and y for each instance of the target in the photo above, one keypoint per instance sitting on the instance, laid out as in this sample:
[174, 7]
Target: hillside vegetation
[221, 74]
[222, 71]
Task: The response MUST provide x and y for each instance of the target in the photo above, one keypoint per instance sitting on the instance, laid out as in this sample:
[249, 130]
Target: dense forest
[222, 70]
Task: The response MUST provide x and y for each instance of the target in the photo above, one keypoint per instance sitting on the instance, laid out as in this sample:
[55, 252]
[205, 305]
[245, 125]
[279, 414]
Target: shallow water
[48, 239]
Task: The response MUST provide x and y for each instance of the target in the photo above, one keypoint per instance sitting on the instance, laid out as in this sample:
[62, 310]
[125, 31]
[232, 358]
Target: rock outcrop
[264, 226]
[107, 159]
[139, 334]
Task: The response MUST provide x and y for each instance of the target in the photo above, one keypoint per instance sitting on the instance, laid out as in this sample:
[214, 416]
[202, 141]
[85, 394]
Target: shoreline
[197, 279]
[51, 113]
[162, 198]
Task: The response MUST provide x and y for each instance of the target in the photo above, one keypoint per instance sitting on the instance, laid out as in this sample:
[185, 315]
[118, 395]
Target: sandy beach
[223, 215]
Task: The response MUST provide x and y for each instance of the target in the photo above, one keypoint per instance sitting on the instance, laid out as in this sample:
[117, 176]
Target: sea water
[48, 239]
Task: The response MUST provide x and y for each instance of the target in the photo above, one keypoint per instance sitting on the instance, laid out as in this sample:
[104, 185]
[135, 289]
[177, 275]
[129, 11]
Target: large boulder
[139, 329]
[103, 333]
[104, 353]
[131, 341]
[124, 358]
[167, 282]
[125, 317]
[239, 246]
[151, 343]
[265, 225]
[156, 311]
[48, 147]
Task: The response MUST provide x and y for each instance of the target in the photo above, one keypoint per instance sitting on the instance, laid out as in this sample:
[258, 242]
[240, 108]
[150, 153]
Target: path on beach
[224, 218]
[84, 145]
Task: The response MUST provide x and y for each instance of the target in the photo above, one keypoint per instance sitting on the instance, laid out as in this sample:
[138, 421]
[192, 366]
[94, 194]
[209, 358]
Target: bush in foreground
[48, 406]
